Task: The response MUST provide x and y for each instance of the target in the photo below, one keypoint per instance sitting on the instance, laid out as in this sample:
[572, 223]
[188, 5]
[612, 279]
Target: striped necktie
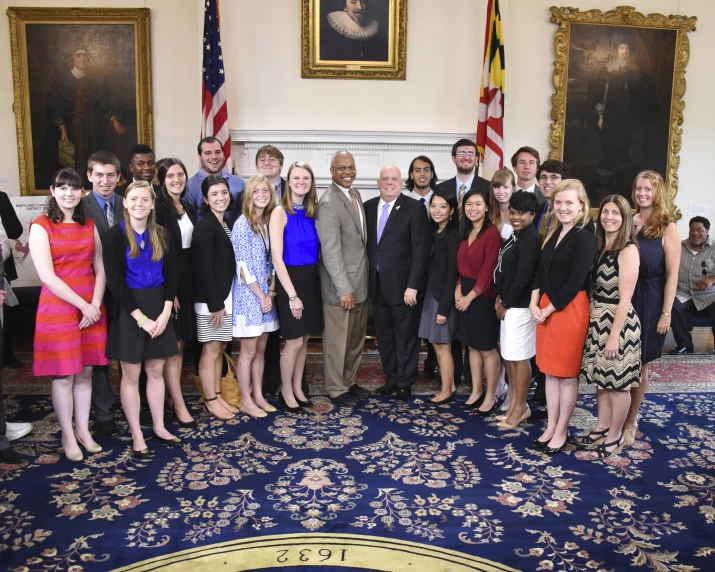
[109, 214]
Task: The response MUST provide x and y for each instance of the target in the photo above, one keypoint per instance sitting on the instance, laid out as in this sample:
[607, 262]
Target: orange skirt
[560, 339]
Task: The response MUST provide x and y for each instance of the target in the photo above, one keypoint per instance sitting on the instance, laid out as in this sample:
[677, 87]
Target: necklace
[298, 207]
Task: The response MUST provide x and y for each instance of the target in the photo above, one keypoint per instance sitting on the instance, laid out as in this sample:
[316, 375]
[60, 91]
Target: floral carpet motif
[388, 472]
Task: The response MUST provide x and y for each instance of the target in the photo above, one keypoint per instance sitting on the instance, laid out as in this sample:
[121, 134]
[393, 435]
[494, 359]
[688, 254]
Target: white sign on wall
[27, 209]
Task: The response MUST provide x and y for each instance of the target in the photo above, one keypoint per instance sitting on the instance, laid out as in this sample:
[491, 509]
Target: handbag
[229, 386]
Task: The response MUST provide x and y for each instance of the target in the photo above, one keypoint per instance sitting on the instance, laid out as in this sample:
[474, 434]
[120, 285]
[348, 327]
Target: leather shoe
[403, 393]
[681, 351]
[444, 401]
[386, 390]
[13, 362]
[535, 402]
[11, 457]
[106, 428]
[476, 403]
[358, 391]
[14, 431]
[346, 399]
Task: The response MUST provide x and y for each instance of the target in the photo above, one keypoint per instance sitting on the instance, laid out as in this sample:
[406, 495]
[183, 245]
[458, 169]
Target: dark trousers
[396, 327]
[540, 389]
[4, 443]
[683, 315]
[461, 363]
[272, 367]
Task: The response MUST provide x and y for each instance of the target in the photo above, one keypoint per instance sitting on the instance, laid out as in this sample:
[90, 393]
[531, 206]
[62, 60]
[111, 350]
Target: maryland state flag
[490, 129]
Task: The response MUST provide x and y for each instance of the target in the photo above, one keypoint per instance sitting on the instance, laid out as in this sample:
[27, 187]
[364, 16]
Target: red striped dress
[61, 348]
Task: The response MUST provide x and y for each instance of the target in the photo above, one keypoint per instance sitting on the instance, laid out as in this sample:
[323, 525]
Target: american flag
[213, 102]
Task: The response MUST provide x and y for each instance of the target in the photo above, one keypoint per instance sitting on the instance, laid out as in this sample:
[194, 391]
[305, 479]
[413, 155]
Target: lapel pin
[397, 208]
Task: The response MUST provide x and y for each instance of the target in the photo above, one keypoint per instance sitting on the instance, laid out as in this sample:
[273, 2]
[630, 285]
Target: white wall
[261, 41]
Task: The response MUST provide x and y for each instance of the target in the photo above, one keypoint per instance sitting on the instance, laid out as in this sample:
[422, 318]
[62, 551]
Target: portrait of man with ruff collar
[353, 30]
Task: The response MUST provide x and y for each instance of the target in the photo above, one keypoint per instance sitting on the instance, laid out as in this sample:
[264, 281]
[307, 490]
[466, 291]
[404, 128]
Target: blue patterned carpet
[386, 487]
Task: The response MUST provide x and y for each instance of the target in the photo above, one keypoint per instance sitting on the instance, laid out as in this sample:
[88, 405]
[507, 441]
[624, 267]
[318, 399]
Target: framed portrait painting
[619, 80]
[354, 39]
[82, 83]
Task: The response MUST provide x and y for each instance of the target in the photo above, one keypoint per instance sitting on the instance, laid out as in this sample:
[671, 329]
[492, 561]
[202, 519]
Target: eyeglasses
[469, 154]
[705, 271]
[343, 168]
[552, 178]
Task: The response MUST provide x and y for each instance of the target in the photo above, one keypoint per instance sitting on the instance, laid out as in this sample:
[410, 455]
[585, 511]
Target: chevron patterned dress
[624, 372]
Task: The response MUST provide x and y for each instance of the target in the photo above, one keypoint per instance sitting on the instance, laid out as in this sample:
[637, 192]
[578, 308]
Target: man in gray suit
[106, 209]
[341, 226]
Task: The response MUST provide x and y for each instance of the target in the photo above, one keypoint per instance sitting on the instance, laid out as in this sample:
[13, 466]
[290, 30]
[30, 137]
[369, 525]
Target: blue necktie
[383, 220]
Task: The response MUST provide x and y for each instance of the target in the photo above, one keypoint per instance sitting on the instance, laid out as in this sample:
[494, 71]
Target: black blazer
[442, 269]
[449, 186]
[403, 251]
[115, 267]
[170, 222]
[214, 262]
[95, 212]
[517, 266]
[565, 269]
[13, 229]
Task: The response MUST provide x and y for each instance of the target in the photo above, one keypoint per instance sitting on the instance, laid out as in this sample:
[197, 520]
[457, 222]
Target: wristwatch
[292, 298]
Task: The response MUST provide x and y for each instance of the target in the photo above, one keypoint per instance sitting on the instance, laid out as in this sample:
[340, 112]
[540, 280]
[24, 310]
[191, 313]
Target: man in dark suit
[466, 159]
[398, 251]
[105, 207]
[269, 163]
[526, 162]
[142, 167]
[12, 228]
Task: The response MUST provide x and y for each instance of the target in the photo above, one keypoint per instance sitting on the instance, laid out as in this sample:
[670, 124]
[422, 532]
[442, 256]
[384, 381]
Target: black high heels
[186, 424]
[287, 407]
[539, 445]
[555, 450]
[306, 404]
[489, 411]
[477, 403]
[444, 401]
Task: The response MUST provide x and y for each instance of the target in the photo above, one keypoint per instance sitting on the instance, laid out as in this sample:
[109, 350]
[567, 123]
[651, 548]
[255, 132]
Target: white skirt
[241, 330]
[518, 335]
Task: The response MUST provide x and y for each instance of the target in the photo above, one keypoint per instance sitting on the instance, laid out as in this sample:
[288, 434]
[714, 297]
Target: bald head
[389, 183]
[342, 169]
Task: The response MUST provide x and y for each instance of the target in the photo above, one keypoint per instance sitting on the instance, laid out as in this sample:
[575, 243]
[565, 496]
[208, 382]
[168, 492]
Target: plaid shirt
[693, 267]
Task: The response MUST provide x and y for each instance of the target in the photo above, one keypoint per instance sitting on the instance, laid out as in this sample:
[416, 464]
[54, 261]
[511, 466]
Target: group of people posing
[491, 274]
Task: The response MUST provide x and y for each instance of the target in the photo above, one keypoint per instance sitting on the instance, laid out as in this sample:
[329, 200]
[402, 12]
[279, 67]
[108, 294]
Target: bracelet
[141, 322]
[666, 314]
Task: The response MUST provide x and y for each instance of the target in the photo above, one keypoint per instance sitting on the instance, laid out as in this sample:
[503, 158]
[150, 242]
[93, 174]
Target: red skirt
[560, 339]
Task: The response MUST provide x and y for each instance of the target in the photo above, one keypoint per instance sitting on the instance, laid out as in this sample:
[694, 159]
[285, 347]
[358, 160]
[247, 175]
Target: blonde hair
[569, 185]
[249, 209]
[311, 199]
[156, 233]
[658, 221]
[499, 180]
[626, 233]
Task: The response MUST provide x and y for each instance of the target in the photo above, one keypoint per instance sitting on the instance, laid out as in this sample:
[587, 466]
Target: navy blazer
[442, 269]
[214, 262]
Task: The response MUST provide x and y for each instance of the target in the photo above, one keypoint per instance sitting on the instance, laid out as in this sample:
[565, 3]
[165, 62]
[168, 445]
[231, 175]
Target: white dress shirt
[531, 189]
[380, 205]
[467, 183]
[416, 196]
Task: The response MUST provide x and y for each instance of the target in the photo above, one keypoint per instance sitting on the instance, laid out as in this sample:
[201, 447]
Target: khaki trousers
[343, 343]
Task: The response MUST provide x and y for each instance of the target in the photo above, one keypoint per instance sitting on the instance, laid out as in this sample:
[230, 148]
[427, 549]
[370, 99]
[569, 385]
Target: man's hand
[410, 296]
[63, 133]
[118, 127]
[347, 302]
[705, 283]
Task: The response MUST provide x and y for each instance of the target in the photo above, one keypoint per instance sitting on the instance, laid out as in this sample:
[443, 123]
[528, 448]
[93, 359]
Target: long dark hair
[453, 221]
[66, 177]
[209, 182]
[163, 195]
[465, 225]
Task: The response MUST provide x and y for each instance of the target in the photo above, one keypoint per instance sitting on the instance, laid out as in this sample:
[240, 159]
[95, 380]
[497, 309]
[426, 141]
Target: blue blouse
[142, 272]
[301, 246]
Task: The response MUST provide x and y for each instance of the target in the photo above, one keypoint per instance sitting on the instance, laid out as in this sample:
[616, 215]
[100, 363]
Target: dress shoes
[145, 452]
[536, 402]
[287, 407]
[444, 401]
[489, 411]
[358, 391]
[403, 393]
[16, 430]
[386, 390]
[307, 404]
[11, 457]
[106, 428]
[173, 442]
[555, 450]
[347, 399]
[504, 425]
[476, 403]
[91, 448]
[539, 445]
[681, 351]
[13, 362]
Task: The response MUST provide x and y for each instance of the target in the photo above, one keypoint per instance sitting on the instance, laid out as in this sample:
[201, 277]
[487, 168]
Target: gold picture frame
[59, 123]
[334, 45]
[615, 113]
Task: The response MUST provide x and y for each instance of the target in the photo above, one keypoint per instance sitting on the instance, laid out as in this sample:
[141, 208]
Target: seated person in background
[695, 295]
